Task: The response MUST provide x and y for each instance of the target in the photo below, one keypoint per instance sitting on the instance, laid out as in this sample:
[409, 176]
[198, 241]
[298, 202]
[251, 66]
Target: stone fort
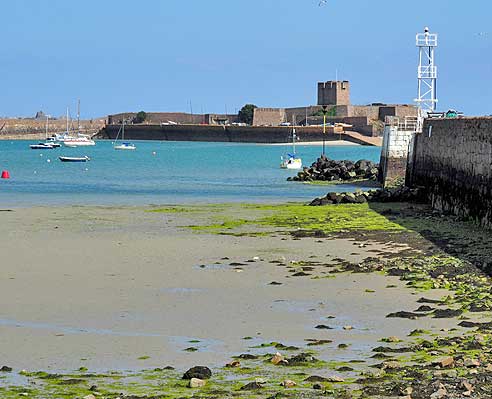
[335, 97]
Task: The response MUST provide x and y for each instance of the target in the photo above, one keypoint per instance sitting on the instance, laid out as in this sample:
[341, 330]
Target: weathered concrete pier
[397, 146]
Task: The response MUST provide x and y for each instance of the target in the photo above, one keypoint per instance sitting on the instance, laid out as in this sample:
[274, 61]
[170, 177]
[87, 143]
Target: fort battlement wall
[153, 118]
[366, 119]
[35, 129]
[452, 160]
[269, 116]
[334, 93]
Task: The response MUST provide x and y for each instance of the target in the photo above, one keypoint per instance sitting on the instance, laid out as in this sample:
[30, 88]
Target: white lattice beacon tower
[427, 74]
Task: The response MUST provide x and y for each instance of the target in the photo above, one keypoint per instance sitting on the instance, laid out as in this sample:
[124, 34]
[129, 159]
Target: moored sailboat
[291, 161]
[48, 144]
[125, 145]
[80, 140]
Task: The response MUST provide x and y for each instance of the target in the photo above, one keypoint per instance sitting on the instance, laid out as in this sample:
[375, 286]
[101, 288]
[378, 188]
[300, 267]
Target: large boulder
[200, 372]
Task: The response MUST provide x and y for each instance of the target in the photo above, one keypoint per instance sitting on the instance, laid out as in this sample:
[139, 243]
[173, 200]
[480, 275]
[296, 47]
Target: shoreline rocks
[326, 169]
[397, 194]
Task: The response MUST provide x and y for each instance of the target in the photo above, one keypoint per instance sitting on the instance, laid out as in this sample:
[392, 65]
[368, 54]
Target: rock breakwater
[330, 170]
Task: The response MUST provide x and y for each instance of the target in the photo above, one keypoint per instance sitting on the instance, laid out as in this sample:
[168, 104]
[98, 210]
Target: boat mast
[67, 121]
[293, 136]
[294, 141]
[46, 131]
[78, 116]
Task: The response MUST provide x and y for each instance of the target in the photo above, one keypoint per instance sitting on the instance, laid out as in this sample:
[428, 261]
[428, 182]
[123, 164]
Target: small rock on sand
[424, 308]
[472, 363]
[440, 393]
[247, 356]
[234, 363]
[469, 388]
[405, 315]
[288, 384]
[391, 365]
[197, 383]
[200, 372]
[391, 339]
[335, 378]
[447, 313]
[277, 359]
[251, 386]
[323, 327]
[447, 362]
[316, 378]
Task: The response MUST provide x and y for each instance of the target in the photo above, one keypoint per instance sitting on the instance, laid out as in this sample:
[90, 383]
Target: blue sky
[158, 55]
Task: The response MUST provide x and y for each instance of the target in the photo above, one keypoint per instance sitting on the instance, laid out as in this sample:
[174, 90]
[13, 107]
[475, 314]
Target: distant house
[40, 115]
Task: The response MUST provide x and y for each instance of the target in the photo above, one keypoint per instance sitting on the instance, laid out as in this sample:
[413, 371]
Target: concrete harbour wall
[452, 160]
[236, 134]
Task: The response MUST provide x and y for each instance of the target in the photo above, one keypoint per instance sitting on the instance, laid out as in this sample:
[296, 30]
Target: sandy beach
[106, 288]
[113, 285]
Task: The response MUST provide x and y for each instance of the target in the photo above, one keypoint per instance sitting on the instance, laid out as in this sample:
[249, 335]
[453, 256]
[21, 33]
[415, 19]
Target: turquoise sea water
[178, 172]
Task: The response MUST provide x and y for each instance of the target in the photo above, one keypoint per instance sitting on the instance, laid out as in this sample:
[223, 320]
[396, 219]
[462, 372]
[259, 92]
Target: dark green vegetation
[440, 252]
[246, 113]
[140, 117]
[331, 113]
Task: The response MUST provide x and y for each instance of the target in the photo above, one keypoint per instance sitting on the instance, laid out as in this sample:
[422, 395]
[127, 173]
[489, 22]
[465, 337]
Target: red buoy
[5, 174]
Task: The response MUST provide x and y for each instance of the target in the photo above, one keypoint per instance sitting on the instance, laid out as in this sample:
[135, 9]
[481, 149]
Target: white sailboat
[48, 144]
[125, 145]
[50, 140]
[81, 140]
[291, 161]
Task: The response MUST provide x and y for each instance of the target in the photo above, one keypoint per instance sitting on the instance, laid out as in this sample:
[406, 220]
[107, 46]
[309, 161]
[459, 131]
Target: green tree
[140, 117]
[246, 113]
[332, 112]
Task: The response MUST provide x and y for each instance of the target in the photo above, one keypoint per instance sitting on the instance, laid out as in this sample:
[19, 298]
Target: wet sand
[112, 285]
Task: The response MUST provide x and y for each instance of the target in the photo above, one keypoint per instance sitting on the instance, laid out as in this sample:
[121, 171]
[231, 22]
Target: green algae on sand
[328, 219]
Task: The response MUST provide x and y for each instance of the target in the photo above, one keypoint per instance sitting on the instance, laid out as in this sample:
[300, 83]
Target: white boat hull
[76, 143]
[291, 163]
[125, 147]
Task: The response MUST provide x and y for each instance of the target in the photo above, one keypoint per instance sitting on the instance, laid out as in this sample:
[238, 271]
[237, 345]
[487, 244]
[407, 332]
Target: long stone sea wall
[236, 134]
[452, 160]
